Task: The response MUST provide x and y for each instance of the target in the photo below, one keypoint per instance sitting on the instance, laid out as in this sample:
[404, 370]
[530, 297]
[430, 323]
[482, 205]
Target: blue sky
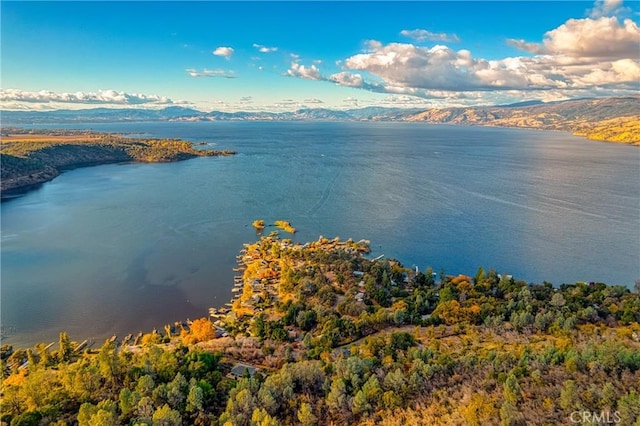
[288, 55]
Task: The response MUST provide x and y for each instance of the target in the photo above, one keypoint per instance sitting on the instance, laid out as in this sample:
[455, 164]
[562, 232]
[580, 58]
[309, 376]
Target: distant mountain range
[619, 116]
[103, 115]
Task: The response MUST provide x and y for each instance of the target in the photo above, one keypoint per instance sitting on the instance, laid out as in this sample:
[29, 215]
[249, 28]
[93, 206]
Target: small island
[31, 157]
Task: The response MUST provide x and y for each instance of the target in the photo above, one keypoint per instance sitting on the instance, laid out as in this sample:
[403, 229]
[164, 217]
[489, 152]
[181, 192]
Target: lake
[128, 247]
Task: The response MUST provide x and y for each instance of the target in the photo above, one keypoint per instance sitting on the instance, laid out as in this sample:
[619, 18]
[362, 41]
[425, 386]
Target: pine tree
[306, 416]
[65, 350]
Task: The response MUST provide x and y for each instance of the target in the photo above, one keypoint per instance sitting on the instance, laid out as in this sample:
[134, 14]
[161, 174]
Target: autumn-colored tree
[200, 330]
[449, 311]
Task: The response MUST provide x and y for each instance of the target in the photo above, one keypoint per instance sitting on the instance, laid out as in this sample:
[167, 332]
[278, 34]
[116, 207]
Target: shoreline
[256, 289]
[31, 158]
[617, 130]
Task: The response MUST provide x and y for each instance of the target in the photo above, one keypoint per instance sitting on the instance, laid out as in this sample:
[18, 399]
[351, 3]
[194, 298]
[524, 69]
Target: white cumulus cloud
[310, 72]
[408, 66]
[594, 56]
[100, 97]
[345, 78]
[604, 37]
[608, 8]
[224, 51]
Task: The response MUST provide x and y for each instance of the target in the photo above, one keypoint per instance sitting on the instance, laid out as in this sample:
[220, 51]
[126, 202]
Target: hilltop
[322, 335]
[610, 119]
[607, 119]
[32, 157]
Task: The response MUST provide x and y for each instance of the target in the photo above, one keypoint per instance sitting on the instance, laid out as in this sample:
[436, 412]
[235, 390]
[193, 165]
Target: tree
[337, 397]
[145, 408]
[306, 416]
[480, 276]
[260, 417]
[159, 395]
[568, 395]
[608, 395]
[241, 404]
[104, 418]
[104, 414]
[401, 341]
[360, 403]
[399, 317]
[395, 381]
[267, 396]
[512, 389]
[306, 320]
[45, 356]
[65, 350]
[31, 360]
[200, 330]
[371, 389]
[145, 385]
[109, 363]
[509, 415]
[128, 400]
[557, 300]
[165, 416]
[449, 311]
[390, 400]
[27, 419]
[429, 277]
[629, 408]
[176, 390]
[195, 399]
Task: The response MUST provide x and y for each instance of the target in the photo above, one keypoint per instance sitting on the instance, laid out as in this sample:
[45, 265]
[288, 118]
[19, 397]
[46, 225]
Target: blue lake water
[128, 247]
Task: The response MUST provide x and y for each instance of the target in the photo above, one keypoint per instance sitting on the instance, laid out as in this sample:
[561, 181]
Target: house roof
[239, 370]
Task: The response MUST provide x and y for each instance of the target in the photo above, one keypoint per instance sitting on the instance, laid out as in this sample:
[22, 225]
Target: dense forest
[320, 334]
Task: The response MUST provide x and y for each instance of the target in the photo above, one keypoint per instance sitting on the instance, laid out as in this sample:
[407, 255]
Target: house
[343, 352]
[240, 370]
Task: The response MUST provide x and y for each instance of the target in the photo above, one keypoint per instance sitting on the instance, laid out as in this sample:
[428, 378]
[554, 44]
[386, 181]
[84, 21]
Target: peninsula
[319, 334]
[31, 157]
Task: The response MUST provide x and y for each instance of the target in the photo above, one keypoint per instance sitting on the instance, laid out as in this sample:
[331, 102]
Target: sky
[281, 56]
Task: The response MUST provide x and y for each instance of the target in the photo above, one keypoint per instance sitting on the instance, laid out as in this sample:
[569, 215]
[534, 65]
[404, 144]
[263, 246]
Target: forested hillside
[320, 334]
